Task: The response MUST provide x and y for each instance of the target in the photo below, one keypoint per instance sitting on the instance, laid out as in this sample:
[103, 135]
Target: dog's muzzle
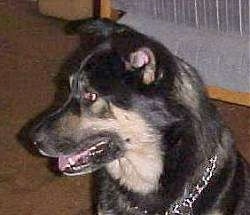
[80, 158]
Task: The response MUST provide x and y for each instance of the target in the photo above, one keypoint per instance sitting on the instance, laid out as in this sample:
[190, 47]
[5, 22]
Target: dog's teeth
[99, 151]
[92, 148]
[76, 167]
[101, 143]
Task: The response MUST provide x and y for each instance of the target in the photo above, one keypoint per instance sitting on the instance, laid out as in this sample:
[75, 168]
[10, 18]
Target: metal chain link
[185, 206]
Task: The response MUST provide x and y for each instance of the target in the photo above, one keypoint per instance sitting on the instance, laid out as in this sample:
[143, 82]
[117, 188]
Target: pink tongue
[64, 161]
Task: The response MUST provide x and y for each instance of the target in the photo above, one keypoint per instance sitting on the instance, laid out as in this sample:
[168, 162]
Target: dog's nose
[37, 138]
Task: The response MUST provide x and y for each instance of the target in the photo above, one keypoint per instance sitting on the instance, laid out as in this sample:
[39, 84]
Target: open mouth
[82, 161]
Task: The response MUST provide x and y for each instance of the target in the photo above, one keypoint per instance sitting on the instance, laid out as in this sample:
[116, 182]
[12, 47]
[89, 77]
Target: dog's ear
[94, 26]
[143, 59]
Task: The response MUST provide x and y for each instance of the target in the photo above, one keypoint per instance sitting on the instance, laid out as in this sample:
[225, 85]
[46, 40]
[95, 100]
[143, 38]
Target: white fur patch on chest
[140, 168]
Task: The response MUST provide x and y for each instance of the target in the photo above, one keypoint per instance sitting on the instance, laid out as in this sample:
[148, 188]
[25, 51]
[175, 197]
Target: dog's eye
[90, 96]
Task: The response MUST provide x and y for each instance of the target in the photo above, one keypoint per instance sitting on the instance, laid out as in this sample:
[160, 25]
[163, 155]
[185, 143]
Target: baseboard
[241, 98]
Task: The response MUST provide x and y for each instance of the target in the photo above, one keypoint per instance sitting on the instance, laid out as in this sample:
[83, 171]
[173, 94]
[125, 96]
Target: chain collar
[184, 206]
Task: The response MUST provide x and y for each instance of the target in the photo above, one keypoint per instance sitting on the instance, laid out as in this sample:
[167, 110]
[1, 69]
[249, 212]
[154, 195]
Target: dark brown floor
[32, 51]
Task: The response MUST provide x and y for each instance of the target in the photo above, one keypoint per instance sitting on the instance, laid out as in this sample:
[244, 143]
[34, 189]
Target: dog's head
[130, 101]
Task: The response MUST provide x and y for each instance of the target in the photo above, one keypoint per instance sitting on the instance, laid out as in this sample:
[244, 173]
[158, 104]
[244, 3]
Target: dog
[139, 118]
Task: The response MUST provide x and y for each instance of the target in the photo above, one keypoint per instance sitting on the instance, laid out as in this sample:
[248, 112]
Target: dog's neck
[140, 169]
[184, 205]
[191, 192]
[141, 166]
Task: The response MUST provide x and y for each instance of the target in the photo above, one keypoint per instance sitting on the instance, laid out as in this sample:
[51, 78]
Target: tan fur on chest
[141, 166]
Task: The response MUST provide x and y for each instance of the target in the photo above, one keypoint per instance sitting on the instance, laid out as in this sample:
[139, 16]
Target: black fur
[174, 105]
